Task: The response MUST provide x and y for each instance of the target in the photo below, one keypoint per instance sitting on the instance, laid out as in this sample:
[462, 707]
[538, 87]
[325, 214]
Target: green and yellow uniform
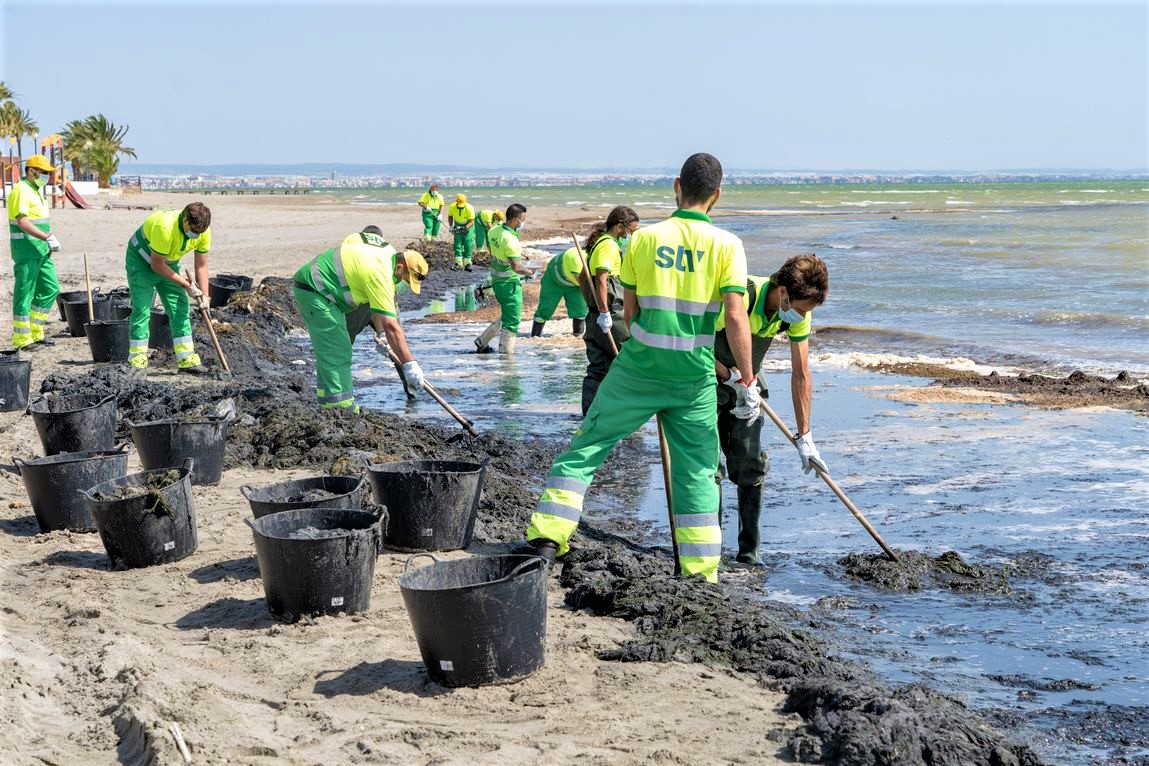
[741, 441]
[483, 224]
[35, 286]
[162, 233]
[678, 269]
[433, 204]
[360, 270]
[605, 256]
[561, 283]
[464, 235]
[505, 250]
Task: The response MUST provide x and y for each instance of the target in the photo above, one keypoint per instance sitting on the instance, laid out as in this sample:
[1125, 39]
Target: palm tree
[18, 123]
[5, 92]
[95, 144]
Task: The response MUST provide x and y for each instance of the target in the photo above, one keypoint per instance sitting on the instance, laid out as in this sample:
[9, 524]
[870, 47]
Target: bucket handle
[536, 562]
[16, 464]
[407, 564]
[104, 400]
[251, 524]
[246, 490]
[362, 481]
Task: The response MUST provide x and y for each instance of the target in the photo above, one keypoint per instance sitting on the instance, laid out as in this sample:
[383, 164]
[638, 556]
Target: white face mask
[790, 315]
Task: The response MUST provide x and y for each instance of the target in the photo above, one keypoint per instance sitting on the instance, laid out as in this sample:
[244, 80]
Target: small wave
[896, 191]
[1087, 191]
[958, 202]
[1091, 319]
[843, 247]
[870, 361]
[548, 241]
[872, 202]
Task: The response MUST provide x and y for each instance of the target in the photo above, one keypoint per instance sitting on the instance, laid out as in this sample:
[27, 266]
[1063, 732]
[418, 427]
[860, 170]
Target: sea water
[1010, 278]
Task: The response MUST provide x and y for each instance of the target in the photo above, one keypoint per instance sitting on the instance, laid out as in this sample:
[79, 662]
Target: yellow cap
[461, 199]
[498, 215]
[416, 269]
[40, 162]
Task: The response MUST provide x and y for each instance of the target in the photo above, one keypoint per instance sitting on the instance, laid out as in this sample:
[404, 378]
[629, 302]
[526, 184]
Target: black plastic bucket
[326, 573]
[76, 312]
[121, 310]
[147, 529]
[15, 376]
[54, 484]
[159, 330]
[342, 491]
[479, 620]
[432, 503]
[71, 295]
[108, 339]
[222, 286]
[75, 422]
[167, 443]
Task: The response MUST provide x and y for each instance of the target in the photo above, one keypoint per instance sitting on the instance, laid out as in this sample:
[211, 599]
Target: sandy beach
[99, 663]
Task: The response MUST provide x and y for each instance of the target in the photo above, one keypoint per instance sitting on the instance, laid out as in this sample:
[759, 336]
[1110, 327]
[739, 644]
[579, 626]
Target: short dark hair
[197, 216]
[514, 210]
[373, 229]
[700, 177]
[805, 277]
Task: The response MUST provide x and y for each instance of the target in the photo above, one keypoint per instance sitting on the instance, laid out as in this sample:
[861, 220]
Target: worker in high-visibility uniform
[506, 267]
[152, 261]
[605, 245]
[782, 302]
[431, 203]
[462, 220]
[561, 282]
[485, 221]
[676, 276]
[363, 269]
[30, 233]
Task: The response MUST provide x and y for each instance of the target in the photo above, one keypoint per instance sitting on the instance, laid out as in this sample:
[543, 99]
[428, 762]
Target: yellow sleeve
[606, 256]
[202, 243]
[627, 274]
[801, 331]
[732, 279]
[425, 198]
[159, 237]
[17, 202]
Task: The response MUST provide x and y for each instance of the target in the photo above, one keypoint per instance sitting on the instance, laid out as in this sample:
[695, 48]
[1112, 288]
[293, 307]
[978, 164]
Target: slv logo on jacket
[684, 260]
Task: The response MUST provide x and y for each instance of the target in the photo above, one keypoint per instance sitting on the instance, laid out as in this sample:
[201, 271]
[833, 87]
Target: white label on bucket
[337, 601]
[446, 665]
[428, 532]
[169, 545]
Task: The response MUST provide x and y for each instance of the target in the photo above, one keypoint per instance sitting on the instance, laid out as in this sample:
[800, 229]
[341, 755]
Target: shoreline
[207, 611]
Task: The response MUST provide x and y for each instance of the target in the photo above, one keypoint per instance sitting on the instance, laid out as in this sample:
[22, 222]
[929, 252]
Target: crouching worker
[153, 264]
[363, 269]
[561, 281]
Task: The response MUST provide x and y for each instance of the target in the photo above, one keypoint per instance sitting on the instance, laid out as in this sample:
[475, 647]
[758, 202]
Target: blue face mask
[520, 227]
[190, 234]
[622, 243]
[790, 315]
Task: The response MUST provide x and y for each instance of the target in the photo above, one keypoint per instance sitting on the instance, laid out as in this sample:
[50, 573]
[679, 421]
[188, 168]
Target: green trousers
[331, 342]
[480, 234]
[464, 247]
[431, 224]
[551, 291]
[144, 284]
[626, 400]
[509, 294]
[33, 294]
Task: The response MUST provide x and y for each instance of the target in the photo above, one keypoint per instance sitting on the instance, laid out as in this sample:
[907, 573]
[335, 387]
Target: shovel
[464, 422]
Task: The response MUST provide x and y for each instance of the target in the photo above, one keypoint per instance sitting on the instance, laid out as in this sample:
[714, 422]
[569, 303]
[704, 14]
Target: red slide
[74, 196]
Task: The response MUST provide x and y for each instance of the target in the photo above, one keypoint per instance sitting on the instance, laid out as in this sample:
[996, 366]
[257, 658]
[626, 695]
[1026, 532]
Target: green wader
[464, 247]
[431, 224]
[509, 293]
[746, 462]
[551, 291]
[625, 401]
[599, 354]
[331, 342]
[35, 286]
[481, 230]
[144, 284]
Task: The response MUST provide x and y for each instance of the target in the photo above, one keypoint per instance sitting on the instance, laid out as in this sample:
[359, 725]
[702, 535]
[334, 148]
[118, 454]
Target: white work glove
[809, 454]
[413, 373]
[746, 407]
[605, 322]
[381, 344]
[53, 243]
[193, 291]
[203, 303]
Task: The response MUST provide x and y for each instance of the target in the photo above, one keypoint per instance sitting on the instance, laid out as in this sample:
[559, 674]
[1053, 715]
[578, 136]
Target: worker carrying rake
[363, 269]
[781, 302]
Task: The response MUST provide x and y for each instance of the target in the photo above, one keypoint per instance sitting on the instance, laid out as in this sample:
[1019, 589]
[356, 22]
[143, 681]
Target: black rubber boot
[749, 513]
[541, 547]
[579, 327]
[537, 329]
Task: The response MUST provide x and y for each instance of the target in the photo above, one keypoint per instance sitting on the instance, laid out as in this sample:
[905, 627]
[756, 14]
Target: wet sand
[100, 663]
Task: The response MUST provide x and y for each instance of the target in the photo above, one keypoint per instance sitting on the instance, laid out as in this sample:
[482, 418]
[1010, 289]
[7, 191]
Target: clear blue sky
[762, 85]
